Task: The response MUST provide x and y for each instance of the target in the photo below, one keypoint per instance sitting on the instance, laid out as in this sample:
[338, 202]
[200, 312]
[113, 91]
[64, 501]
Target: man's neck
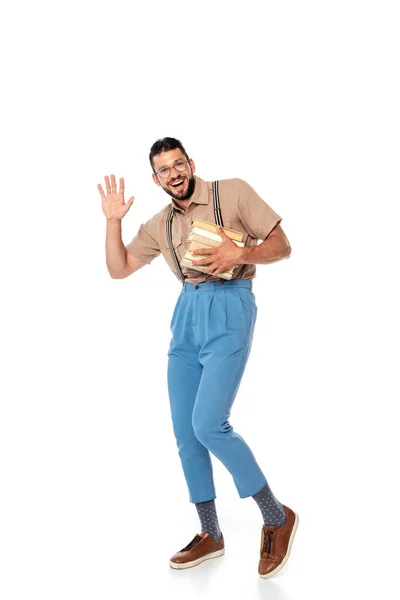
[183, 203]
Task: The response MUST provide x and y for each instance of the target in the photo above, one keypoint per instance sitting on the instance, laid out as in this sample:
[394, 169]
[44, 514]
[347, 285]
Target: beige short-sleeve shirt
[242, 209]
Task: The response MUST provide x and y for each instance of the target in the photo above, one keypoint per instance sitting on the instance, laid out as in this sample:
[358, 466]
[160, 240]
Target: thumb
[130, 201]
[220, 231]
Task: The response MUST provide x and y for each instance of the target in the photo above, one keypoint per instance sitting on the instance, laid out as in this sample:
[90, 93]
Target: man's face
[178, 184]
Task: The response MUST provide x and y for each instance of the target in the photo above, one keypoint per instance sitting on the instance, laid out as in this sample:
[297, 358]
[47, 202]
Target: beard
[189, 192]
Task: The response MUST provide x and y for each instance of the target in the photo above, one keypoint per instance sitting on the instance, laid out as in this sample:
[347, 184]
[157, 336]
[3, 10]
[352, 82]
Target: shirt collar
[199, 196]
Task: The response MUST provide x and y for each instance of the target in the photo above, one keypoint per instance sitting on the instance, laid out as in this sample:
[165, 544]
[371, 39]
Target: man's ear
[155, 179]
[192, 165]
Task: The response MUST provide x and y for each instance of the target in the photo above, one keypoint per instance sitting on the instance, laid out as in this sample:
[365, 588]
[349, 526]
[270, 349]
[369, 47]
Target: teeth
[177, 182]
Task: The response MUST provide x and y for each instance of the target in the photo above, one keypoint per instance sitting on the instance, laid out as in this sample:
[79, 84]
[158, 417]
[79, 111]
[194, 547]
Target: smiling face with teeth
[179, 184]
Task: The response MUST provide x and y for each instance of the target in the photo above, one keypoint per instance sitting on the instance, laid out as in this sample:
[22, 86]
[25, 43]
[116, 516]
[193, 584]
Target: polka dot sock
[272, 511]
[208, 518]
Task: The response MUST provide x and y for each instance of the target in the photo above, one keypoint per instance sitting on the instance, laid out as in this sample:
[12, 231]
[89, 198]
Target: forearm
[116, 255]
[270, 250]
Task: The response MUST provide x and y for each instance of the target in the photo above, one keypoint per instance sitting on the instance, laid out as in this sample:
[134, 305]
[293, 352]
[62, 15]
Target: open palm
[113, 204]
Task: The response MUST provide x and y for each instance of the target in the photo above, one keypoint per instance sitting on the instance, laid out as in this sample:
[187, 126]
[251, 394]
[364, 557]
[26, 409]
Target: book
[203, 234]
[195, 245]
[212, 228]
[205, 241]
[212, 235]
[190, 256]
[188, 263]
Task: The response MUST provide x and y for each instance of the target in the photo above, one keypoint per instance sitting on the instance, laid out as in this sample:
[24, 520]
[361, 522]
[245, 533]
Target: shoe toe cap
[266, 566]
[178, 558]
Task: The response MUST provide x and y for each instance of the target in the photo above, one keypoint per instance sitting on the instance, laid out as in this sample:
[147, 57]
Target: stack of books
[203, 234]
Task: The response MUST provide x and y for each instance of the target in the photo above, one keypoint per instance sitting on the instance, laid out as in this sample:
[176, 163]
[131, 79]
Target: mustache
[189, 191]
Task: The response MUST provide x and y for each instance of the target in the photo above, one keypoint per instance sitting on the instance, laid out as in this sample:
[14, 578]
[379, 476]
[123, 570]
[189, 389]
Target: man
[212, 330]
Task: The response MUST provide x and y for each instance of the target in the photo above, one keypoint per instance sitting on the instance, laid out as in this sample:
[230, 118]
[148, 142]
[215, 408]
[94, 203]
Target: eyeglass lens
[180, 165]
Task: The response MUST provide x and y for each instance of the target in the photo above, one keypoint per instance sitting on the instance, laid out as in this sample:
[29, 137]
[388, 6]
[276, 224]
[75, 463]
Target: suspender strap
[218, 220]
[171, 247]
[217, 207]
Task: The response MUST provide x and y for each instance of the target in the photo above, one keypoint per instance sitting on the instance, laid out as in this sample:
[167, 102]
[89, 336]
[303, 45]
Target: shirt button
[197, 287]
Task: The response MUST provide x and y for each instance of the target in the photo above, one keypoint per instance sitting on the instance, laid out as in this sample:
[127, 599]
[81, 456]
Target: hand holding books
[204, 234]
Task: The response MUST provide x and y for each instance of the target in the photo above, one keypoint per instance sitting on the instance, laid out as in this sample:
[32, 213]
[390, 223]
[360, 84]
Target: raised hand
[114, 205]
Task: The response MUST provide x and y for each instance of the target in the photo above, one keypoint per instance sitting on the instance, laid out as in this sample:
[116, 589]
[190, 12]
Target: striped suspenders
[217, 207]
[218, 220]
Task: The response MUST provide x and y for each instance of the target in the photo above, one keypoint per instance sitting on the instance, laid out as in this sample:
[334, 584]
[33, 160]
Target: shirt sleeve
[257, 217]
[144, 246]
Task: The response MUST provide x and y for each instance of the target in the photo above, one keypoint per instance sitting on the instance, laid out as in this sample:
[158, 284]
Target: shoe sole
[194, 563]
[279, 567]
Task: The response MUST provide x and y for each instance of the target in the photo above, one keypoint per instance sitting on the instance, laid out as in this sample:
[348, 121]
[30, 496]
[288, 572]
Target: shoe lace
[193, 543]
[268, 542]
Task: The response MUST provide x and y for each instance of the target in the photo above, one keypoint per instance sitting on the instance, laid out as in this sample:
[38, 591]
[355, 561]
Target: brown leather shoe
[276, 543]
[202, 547]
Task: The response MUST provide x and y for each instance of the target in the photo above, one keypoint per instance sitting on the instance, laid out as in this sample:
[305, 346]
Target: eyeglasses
[179, 165]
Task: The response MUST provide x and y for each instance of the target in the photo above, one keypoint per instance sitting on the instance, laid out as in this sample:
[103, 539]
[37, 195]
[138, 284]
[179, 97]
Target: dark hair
[163, 145]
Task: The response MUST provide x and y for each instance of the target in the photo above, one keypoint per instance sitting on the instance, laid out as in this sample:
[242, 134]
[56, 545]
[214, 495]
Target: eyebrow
[176, 160]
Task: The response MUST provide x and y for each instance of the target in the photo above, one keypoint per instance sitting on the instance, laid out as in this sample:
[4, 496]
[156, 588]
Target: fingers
[102, 194]
[112, 188]
[203, 261]
[113, 184]
[205, 251]
[222, 233]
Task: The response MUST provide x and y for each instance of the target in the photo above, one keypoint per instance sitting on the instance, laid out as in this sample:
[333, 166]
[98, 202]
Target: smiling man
[174, 178]
[212, 329]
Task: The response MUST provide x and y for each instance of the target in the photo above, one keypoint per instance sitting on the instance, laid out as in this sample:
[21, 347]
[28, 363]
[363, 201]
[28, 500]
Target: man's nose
[175, 169]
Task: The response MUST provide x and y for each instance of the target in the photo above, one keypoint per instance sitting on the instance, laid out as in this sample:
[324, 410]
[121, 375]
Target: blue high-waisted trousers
[212, 331]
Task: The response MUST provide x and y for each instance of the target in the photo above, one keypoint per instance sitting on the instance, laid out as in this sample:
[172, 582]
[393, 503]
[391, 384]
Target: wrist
[243, 255]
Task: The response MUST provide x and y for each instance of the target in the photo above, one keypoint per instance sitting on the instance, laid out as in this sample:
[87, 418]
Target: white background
[300, 99]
